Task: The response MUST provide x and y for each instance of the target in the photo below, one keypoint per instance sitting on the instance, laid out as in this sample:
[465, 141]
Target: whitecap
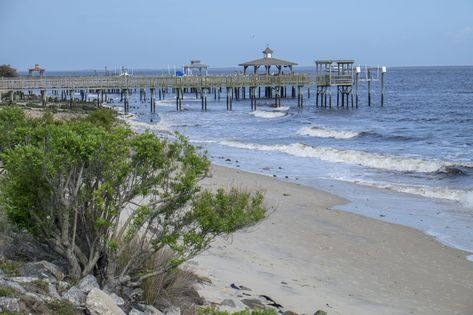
[366, 159]
[268, 114]
[327, 133]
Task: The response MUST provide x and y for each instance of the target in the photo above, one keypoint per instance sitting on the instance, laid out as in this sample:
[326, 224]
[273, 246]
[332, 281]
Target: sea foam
[327, 133]
[465, 197]
[268, 114]
[366, 159]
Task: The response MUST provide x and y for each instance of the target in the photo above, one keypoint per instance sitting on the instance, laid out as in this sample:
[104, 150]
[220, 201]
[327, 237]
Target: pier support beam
[43, 97]
[152, 102]
[126, 104]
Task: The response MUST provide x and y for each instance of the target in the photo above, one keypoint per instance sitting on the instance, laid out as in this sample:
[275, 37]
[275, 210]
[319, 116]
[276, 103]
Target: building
[195, 65]
[37, 69]
[267, 62]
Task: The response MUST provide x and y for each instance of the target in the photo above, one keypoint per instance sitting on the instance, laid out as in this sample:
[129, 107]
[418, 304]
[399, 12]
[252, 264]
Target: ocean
[409, 162]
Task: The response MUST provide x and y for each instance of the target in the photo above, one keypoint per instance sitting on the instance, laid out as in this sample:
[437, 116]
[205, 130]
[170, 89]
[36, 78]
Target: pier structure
[36, 69]
[343, 76]
[196, 65]
[336, 74]
[158, 87]
[369, 75]
[279, 91]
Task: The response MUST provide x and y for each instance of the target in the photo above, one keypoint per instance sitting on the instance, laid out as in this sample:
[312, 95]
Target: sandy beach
[307, 256]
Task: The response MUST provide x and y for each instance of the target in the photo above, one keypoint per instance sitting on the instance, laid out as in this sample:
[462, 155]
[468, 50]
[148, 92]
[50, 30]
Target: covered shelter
[195, 65]
[36, 69]
[334, 72]
[267, 62]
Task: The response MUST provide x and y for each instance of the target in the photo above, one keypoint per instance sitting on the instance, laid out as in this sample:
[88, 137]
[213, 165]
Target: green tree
[109, 199]
[7, 71]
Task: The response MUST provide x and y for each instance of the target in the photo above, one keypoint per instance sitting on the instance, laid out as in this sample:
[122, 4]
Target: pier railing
[326, 79]
[125, 82]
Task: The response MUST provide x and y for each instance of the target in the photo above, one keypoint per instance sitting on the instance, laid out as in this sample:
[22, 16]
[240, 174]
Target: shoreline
[308, 256]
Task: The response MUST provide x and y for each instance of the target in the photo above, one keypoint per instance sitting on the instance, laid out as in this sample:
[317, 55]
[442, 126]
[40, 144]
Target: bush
[7, 71]
[99, 194]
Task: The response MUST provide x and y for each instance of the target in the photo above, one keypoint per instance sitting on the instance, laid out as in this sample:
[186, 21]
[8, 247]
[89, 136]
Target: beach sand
[307, 256]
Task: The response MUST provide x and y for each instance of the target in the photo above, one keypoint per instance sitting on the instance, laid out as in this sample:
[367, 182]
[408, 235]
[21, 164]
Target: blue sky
[91, 34]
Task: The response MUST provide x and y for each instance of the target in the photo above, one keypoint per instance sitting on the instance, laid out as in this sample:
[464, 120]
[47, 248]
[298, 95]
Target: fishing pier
[341, 75]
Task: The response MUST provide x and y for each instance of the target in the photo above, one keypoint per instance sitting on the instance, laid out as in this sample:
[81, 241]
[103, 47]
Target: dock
[341, 75]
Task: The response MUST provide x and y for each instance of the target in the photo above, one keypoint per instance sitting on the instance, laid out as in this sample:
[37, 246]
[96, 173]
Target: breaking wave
[327, 133]
[366, 159]
[268, 114]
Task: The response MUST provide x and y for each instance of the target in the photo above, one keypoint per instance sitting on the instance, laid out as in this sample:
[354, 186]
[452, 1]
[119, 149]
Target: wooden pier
[339, 74]
[236, 86]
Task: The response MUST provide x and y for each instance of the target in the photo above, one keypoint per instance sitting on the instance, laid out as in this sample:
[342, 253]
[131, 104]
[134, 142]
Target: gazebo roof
[37, 68]
[328, 62]
[267, 51]
[268, 62]
[196, 64]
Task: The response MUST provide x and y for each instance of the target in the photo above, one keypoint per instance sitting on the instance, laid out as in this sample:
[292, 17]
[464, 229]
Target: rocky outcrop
[100, 303]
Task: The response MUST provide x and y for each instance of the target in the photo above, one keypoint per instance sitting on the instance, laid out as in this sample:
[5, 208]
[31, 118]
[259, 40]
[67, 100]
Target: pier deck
[128, 82]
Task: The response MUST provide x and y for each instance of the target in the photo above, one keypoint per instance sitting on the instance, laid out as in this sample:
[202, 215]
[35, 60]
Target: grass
[61, 307]
[11, 268]
[41, 284]
[214, 311]
[7, 292]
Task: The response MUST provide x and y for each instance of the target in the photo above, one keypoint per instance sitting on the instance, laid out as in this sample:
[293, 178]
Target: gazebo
[267, 61]
[195, 65]
[38, 69]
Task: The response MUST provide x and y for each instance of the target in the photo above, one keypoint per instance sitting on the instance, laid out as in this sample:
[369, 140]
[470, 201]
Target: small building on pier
[195, 65]
[36, 69]
[267, 62]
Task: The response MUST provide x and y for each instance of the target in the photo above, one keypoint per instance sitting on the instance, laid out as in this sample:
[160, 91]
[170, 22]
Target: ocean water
[409, 162]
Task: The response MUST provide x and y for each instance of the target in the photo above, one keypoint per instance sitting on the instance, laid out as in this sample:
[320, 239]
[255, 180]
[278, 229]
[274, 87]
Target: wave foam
[327, 133]
[268, 114]
[367, 159]
[465, 197]
[159, 126]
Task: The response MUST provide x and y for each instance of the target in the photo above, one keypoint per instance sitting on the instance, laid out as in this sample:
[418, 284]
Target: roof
[268, 62]
[196, 65]
[37, 68]
[340, 61]
[267, 51]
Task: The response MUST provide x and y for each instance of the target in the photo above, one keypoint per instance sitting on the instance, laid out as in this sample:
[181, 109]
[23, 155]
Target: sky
[155, 34]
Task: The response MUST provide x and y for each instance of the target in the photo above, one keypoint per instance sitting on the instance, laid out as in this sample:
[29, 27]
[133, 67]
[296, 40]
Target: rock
[151, 310]
[9, 305]
[228, 302]
[100, 303]
[42, 270]
[52, 291]
[134, 311]
[253, 303]
[88, 283]
[118, 300]
[75, 296]
[23, 279]
[173, 310]
[289, 313]
[320, 312]
[63, 286]
[34, 304]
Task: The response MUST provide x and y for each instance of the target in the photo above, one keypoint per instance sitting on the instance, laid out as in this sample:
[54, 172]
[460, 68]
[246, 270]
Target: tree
[109, 199]
[7, 71]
